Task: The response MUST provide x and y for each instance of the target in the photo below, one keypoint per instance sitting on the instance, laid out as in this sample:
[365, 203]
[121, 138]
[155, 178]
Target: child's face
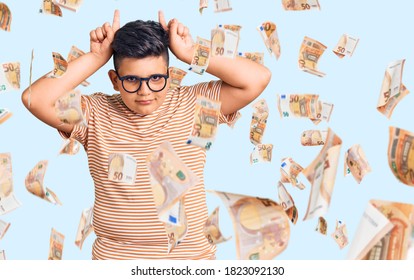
[144, 101]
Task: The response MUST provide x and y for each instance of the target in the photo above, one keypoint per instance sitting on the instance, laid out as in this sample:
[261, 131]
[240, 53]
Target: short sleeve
[80, 131]
[212, 91]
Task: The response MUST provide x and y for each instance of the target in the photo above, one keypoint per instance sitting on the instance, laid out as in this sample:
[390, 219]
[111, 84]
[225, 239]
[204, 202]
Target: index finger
[115, 23]
[161, 20]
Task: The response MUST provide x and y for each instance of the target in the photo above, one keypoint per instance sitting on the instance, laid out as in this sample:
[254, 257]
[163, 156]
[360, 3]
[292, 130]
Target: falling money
[205, 124]
[8, 201]
[340, 235]
[56, 245]
[268, 32]
[5, 114]
[176, 76]
[122, 168]
[2, 255]
[85, 227]
[72, 5]
[175, 222]
[50, 8]
[222, 6]
[309, 54]
[201, 56]
[356, 163]
[322, 226]
[60, 66]
[289, 171]
[304, 105]
[321, 174]
[401, 155]
[261, 226]
[313, 137]
[384, 232]
[261, 153]
[300, 5]
[287, 203]
[34, 183]
[70, 147]
[3, 228]
[5, 17]
[346, 46]
[392, 89]
[212, 229]
[10, 77]
[259, 120]
[74, 53]
[202, 5]
[68, 108]
[253, 56]
[224, 42]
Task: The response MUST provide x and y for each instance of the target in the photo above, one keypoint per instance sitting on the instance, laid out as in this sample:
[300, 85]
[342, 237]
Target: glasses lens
[131, 83]
[157, 82]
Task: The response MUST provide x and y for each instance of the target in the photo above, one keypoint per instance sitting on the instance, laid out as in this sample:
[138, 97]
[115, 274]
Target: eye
[131, 79]
[156, 78]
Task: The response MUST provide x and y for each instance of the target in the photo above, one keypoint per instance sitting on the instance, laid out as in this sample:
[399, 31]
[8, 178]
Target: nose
[143, 89]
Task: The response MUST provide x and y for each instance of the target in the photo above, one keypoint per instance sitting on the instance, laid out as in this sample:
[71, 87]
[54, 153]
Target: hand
[102, 37]
[181, 43]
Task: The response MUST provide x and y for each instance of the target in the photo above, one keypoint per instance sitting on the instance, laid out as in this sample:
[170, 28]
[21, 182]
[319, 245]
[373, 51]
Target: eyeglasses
[132, 84]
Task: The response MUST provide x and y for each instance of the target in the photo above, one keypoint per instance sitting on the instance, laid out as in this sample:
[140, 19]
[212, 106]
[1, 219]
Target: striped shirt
[125, 219]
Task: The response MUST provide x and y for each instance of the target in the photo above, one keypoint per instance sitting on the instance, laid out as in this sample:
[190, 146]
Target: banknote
[122, 168]
[300, 5]
[309, 55]
[321, 174]
[176, 232]
[356, 163]
[206, 121]
[68, 108]
[346, 45]
[224, 42]
[34, 183]
[233, 27]
[30, 79]
[392, 89]
[3, 228]
[70, 147]
[85, 227]
[60, 66]
[236, 118]
[201, 56]
[2, 255]
[268, 32]
[340, 235]
[8, 201]
[56, 245]
[401, 155]
[253, 56]
[385, 232]
[287, 203]
[261, 153]
[5, 17]
[176, 76]
[174, 178]
[322, 226]
[258, 122]
[289, 172]
[74, 53]
[212, 230]
[203, 4]
[5, 114]
[10, 76]
[305, 106]
[50, 8]
[222, 6]
[261, 226]
[72, 5]
[313, 137]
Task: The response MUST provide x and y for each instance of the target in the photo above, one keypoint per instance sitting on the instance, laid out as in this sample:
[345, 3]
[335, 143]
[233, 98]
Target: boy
[136, 121]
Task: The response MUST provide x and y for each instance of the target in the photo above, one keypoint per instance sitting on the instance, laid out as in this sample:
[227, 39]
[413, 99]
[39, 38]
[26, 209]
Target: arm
[243, 80]
[45, 91]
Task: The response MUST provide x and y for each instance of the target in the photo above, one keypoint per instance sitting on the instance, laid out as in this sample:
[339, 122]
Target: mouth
[143, 102]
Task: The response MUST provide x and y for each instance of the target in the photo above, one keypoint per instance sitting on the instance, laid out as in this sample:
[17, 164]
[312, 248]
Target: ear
[114, 79]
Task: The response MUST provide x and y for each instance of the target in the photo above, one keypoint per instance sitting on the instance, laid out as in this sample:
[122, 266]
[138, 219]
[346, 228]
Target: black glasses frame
[166, 76]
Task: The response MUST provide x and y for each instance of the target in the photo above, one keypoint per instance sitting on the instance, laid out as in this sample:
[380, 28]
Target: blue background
[353, 84]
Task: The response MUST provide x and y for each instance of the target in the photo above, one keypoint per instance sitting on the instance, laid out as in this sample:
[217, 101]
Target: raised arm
[45, 91]
[243, 79]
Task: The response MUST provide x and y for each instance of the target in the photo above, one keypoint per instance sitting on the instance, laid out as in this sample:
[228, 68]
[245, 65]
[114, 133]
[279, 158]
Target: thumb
[116, 21]
[161, 20]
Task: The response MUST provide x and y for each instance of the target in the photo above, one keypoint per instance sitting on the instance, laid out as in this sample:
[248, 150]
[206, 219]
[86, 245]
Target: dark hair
[140, 39]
